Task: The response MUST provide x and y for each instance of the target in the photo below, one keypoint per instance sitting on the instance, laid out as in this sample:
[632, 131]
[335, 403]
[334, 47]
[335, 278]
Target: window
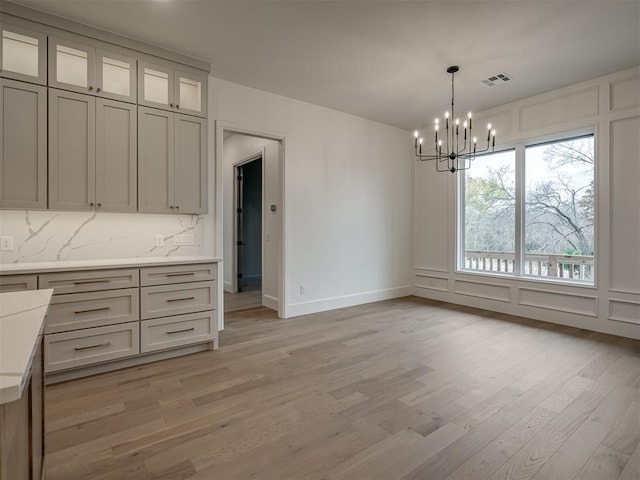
[530, 211]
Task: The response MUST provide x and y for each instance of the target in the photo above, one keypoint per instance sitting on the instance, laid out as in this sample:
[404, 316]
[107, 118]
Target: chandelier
[460, 145]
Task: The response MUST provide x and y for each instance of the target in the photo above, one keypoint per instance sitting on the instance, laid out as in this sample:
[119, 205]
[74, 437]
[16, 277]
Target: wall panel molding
[491, 291]
[624, 94]
[436, 282]
[626, 311]
[559, 301]
[565, 108]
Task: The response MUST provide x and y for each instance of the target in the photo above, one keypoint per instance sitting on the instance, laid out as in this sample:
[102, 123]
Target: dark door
[249, 234]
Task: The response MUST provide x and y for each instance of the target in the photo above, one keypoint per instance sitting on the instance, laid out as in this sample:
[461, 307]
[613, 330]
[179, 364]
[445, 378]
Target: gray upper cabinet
[23, 145]
[92, 153]
[178, 90]
[72, 152]
[155, 161]
[190, 177]
[171, 162]
[23, 55]
[79, 67]
[116, 153]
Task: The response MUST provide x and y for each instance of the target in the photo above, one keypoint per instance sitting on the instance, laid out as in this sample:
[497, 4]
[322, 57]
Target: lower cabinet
[176, 331]
[91, 345]
[105, 319]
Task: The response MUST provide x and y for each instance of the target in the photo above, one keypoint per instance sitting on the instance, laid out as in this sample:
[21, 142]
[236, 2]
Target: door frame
[220, 128]
[234, 256]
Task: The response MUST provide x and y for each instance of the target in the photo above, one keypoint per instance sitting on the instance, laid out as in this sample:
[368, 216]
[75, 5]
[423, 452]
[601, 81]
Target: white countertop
[66, 265]
[22, 319]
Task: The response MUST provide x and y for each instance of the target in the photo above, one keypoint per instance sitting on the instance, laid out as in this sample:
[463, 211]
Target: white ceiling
[383, 60]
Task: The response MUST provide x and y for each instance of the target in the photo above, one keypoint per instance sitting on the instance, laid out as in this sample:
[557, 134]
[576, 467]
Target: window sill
[529, 279]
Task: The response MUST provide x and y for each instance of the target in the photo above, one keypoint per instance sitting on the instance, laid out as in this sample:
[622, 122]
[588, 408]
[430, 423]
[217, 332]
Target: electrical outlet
[179, 240]
[6, 243]
[159, 240]
[302, 290]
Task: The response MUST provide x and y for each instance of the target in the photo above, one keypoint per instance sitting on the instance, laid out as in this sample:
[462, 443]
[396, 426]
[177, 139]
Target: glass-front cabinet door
[190, 94]
[155, 86]
[115, 76]
[71, 65]
[23, 55]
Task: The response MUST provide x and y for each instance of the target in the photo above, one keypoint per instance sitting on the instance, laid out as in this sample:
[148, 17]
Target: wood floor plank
[404, 388]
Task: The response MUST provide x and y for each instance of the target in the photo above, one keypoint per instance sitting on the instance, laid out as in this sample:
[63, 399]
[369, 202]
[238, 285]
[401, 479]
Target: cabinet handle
[177, 106]
[179, 274]
[90, 88]
[99, 204]
[181, 331]
[171, 207]
[177, 207]
[106, 344]
[82, 282]
[180, 299]
[98, 89]
[92, 310]
[171, 105]
[91, 204]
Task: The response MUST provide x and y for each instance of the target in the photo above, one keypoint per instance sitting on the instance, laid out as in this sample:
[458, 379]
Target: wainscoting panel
[624, 311]
[624, 212]
[432, 282]
[501, 293]
[624, 94]
[559, 301]
[559, 110]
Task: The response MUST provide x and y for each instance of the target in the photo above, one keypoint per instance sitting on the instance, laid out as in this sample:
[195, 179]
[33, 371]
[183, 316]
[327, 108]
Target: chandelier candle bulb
[458, 156]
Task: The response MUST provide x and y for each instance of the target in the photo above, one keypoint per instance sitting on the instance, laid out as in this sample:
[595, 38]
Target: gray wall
[251, 258]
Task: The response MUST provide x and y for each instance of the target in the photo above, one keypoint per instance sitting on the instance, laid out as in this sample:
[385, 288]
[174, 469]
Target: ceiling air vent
[495, 79]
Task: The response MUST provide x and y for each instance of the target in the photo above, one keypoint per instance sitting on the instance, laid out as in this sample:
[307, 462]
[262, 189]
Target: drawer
[177, 274]
[89, 346]
[17, 283]
[166, 300]
[95, 309]
[90, 281]
[162, 333]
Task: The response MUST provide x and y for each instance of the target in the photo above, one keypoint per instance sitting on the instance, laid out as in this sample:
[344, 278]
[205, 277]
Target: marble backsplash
[46, 236]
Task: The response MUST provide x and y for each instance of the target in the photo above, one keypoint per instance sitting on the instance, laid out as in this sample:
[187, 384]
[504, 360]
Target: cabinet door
[116, 76]
[71, 65]
[23, 145]
[155, 161]
[23, 55]
[116, 150]
[155, 86]
[191, 92]
[190, 164]
[72, 150]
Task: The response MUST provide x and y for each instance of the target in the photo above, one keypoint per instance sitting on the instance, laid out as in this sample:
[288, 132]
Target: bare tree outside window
[559, 208]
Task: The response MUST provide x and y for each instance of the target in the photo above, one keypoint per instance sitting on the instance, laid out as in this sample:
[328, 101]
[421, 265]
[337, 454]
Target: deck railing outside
[576, 267]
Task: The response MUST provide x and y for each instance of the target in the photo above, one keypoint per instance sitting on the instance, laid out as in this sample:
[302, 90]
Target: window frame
[519, 147]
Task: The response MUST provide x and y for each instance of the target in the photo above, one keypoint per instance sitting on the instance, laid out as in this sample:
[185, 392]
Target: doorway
[251, 208]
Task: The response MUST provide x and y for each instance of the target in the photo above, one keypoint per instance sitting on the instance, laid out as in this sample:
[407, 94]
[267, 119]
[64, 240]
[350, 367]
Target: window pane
[489, 213]
[559, 209]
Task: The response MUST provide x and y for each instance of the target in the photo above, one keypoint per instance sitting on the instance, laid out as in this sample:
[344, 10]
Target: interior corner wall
[610, 106]
[348, 201]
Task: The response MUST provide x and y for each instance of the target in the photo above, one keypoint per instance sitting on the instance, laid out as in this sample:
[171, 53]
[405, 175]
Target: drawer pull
[181, 331]
[180, 299]
[82, 282]
[77, 349]
[179, 274]
[92, 310]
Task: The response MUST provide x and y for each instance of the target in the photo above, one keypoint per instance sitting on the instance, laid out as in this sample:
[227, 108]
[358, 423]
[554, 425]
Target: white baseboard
[315, 306]
[227, 287]
[270, 302]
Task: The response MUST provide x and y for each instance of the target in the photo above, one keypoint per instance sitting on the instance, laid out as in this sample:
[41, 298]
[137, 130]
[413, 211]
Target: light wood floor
[250, 297]
[407, 389]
